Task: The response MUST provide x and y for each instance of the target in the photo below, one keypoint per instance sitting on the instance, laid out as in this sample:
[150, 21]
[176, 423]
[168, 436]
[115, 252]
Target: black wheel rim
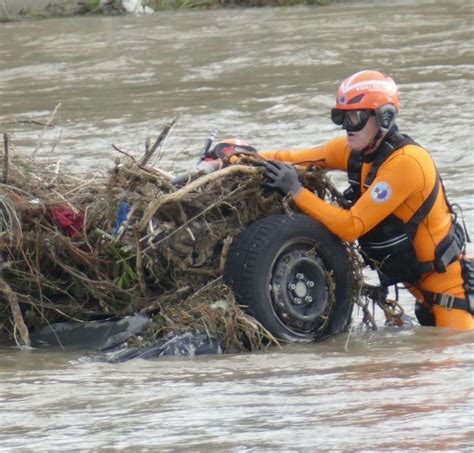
[300, 288]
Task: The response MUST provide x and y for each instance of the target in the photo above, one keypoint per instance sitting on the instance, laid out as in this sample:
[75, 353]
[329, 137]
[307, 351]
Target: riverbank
[19, 9]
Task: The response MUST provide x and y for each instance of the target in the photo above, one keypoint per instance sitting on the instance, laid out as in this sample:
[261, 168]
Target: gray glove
[281, 177]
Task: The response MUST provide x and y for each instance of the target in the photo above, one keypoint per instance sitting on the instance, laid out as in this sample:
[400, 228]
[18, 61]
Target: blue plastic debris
[122, 215]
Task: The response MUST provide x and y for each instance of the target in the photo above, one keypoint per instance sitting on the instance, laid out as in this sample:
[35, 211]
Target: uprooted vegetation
[92, 248]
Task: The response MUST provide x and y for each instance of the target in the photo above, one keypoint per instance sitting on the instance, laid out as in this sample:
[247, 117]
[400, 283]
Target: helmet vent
[356, 99]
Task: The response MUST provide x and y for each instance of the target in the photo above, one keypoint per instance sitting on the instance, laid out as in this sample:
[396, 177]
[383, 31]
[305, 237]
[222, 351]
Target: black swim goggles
[351, 120]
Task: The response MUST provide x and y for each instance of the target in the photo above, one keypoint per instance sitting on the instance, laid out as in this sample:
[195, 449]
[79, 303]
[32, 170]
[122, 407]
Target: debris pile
[84, 249]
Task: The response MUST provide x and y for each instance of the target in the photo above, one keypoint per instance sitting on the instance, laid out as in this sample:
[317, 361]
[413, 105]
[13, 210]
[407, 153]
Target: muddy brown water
[268, 76]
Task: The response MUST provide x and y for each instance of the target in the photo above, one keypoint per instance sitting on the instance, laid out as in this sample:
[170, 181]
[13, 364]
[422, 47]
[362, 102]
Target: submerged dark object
[110, 339]
[94, 335]
[185, 344]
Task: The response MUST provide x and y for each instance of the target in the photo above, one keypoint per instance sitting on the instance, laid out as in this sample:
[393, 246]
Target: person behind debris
[214, 157]
[397, 210]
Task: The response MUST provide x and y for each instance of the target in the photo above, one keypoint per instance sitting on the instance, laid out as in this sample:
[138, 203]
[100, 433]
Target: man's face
[361, 139]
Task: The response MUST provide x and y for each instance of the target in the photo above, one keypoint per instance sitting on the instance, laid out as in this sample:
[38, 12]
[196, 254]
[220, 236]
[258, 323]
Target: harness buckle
[439, 266]
[446, 301]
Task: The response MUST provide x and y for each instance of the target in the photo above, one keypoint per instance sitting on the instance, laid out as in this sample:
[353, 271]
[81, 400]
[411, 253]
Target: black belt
[446, 301]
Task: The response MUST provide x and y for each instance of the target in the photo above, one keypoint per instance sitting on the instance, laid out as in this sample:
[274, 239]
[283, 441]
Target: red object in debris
[70, 222]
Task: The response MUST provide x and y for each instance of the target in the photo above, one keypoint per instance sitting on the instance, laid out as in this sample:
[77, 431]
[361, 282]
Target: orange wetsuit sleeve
[332, 155]
[397, 179]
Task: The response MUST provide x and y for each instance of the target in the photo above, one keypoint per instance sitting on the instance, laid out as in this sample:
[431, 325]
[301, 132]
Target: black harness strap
[447, 301]
[427, 205]
[354, 168]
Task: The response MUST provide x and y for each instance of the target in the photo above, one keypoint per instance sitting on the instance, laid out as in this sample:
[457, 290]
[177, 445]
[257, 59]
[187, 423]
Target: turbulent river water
[268, 76]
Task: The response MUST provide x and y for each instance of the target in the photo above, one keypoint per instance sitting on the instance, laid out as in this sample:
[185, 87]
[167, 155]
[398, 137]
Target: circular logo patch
[381, 192]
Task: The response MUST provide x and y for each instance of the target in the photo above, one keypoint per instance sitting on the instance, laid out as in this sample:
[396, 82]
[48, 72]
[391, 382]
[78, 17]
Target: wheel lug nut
[297, 301]
[292, 286]
[308, 299]
[299, 276]
[310, 284]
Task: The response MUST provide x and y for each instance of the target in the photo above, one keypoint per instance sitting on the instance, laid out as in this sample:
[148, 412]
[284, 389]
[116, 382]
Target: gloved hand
[282, 177]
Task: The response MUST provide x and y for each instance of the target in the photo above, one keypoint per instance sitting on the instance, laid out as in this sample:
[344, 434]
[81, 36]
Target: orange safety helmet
[231, 146]
[370, 90]
[367, 90]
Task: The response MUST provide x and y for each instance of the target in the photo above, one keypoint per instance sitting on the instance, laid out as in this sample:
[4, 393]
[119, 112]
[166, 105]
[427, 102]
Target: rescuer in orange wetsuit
[399, 212]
